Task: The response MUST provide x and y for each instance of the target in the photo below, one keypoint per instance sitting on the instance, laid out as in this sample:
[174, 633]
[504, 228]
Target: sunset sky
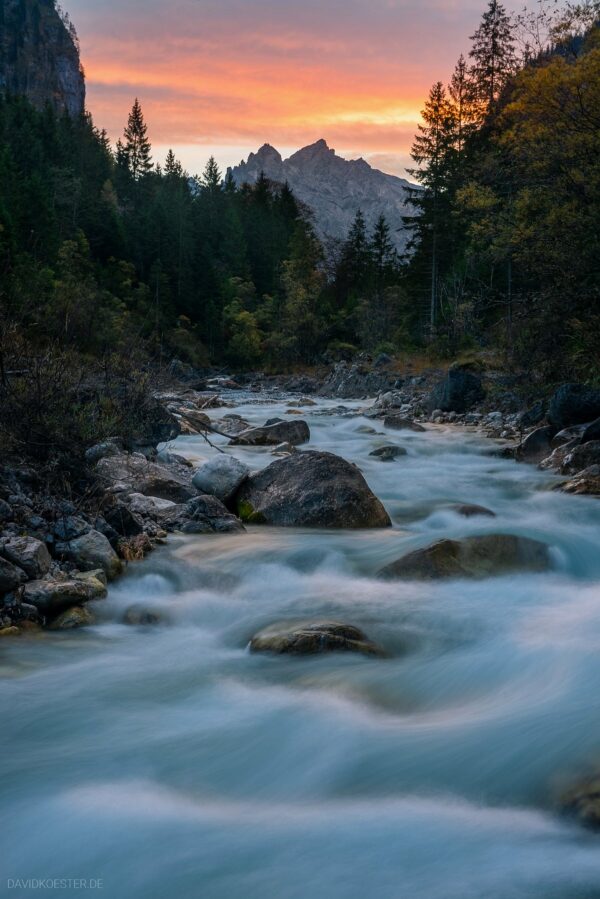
[225, 76]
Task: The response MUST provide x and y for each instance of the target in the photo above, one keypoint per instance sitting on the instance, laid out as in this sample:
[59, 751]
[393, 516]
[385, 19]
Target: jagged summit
[333, 187]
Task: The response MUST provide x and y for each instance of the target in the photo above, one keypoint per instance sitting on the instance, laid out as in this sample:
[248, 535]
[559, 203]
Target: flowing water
[170, 762]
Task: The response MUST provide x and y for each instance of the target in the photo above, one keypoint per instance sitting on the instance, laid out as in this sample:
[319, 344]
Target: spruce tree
[211, 177]
[135, 152]
[494, 57]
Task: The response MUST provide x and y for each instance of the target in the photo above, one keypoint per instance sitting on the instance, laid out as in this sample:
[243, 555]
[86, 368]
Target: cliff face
[334, 188]
[38, 56]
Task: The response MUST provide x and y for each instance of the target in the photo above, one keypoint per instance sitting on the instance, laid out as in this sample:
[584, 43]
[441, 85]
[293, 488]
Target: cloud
[239, 72]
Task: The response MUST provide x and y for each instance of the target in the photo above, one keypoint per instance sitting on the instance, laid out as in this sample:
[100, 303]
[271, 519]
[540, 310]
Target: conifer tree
[211, 177]
[136, 152]
[494, 57]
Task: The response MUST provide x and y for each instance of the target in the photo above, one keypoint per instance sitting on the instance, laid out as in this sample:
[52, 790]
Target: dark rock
[11, 577]
[73, 619]
[580, 457]
[124, 521]
[472, 557]
[312, 637]
[472, 511]
[389, 453]
[573, 404]
[311, 489]
[583, 803]
[399, 423]
[458, 392]
[585, 483]
[294, 432]
[111, 447]
[570, 435]
[69, 527]
[139, 615]
[6, 512]
[203, 515]
[53, 595]
[159, 426]
[381, 360]
[591, 432]
[134, 474]
[90, 551]
[536, 445]
[29, 554]
[533, 416]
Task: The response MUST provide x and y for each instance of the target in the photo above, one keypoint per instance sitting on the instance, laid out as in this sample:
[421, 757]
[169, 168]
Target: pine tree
[494, 57]
[173, 168]
[460, 91]
[211, 177]
[135, 152]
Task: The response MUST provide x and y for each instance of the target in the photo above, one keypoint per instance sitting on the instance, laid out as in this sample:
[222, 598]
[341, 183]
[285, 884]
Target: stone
[11, 577]
[68, 527]
[583, 803]
[73, 619]
[399, 423]
[133, 473]
[29, 554]
[54, 595]
[10, 632]
[310, 489]
[111, 447]
[302, 403]
[153, 506]
[139, 615]
[532, 416]
[91, 550]
[591, 431]
[536, 445]
[458, 392]
[573, 404]
[472, 557]
[313, 637]
[294, 432]
[203, 515]
[581, 457]
[365, 429]
[284, 449]
[472, 511]
[585, 483]
[221, 477]
[124, 520]
[6, 512]
[389, 453]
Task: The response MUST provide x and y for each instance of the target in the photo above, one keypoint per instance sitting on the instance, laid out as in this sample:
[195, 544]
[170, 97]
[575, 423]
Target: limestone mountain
[333, 188]
[39, 57]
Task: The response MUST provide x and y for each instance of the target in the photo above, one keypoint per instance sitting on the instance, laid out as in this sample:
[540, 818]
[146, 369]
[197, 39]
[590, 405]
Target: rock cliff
[334, 188]
[39, 57]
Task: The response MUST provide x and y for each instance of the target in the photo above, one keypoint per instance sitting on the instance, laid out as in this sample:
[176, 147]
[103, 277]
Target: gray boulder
[536, 445]
[221, 477]
[111, 447]
[582, 803]
[312, 637]
[472, 557]
[202, 515]
[90, 551]
[591, 431]
[389, 453]
[133, 473]
[468, 510]
[584, 483]
[54, 595]
[29, 554]
[310, 489]
[573, 404]
[294, 432]
[580, 457]
[458, 392]
[73, 619]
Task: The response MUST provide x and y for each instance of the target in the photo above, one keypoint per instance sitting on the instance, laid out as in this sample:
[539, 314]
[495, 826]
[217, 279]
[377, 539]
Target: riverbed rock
[472, 557]
[400, 423]
[591, 431]
[202, 515]
[581, 457]
[458, 392]
[568, 436]
[470, 510]
[29, 554]
[133, 473]
[584, 483]
[151, 506]
[294, 432]
[284, 449]
[54, 595]
[124, 520]
[389, 453]
[573, 404]
[140, 615]
[221, 477]
[91, 550]
[583, 803]
[311, 489]
[536, 446]
[11, 577]
[111, 447]
[313, 637]
[73, 619]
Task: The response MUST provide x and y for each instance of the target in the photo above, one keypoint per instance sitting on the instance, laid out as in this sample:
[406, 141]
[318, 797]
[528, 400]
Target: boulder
[472, 557]
[54, 595]
[532, 416]
[152, 506]
[133, 473]
[139, 615]
[221, 477]
[156, 425]
[68, 527]
[458, 392]
[581, 457]
[312, 637]
[29, 554]
[570, 435]
[111, 447]
[124, 520]
[536, 445]
[90, 551]
[573, 404]
[294, 432]
[73, 619]
[311, 489]
[399, 423]
[284, 449]
[468, 510]
[389, 453]
[591, 431]
[585, 483]
[202, 515]
[11, 577]
[583, 803]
